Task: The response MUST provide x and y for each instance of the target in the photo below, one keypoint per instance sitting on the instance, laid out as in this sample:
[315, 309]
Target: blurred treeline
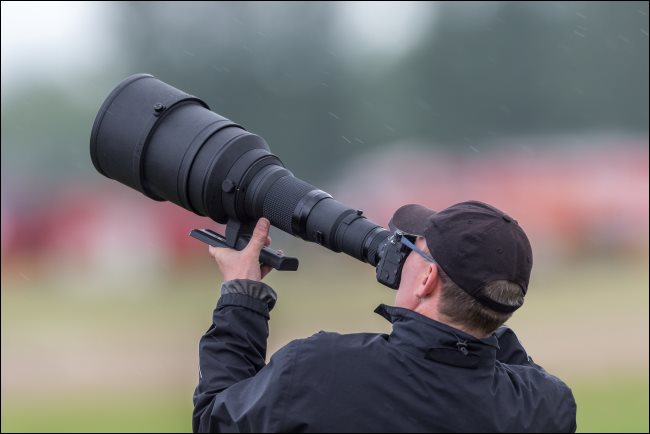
[294, 73]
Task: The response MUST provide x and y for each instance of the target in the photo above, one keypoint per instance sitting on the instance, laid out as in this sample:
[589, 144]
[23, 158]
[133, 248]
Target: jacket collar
[437, 341]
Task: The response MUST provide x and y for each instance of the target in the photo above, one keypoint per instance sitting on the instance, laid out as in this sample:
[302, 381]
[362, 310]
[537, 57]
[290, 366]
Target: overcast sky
[51, 41]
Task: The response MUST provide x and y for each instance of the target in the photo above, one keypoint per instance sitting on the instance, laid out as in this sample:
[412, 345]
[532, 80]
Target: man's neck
[435, 315]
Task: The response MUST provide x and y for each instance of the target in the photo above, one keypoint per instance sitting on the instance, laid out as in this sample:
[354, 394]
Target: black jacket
[423, 377]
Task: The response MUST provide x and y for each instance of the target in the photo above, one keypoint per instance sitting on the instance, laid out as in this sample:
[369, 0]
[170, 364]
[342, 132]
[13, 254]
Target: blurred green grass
[152, 411]
[90, 353]
[616, 403]
[611, 405]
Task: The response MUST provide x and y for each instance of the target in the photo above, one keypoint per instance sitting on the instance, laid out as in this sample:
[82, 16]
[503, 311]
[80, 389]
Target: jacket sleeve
[512, 352]
[237, 392]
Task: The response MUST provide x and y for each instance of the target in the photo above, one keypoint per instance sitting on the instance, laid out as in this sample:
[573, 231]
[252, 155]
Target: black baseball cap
[474, 243]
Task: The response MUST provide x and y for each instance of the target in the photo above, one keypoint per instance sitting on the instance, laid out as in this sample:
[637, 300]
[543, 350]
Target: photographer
[449, 364]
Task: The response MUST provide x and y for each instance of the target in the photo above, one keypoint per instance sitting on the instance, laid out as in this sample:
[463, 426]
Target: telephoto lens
[169, 145]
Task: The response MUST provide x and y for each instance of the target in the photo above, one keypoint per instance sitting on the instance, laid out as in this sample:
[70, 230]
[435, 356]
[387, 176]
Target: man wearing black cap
[448, 366]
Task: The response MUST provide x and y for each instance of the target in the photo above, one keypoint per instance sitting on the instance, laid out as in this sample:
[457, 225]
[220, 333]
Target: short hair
[461, 308]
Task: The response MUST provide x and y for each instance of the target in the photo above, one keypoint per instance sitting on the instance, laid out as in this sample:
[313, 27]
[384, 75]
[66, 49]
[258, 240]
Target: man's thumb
[259, 235]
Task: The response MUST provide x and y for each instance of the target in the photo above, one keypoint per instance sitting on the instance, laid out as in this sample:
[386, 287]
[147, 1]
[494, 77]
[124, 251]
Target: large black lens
[170, 146]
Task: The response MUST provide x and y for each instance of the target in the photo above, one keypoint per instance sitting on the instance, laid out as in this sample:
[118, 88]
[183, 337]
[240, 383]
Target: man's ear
[429, 281]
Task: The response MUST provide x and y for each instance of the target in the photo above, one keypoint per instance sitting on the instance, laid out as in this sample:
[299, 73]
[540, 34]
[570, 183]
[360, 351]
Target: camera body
[393, 254]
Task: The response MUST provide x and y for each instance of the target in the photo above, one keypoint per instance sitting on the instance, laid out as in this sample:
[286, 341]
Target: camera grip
[267, 256]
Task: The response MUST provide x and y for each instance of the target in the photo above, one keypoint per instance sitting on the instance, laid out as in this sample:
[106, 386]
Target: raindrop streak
[359, 140]
[527, 149]
[474, 149]
[423, 105]
[189, 53]
[389, 128]
[578, 33]
[644, 31]
[220, 68]
[333, 115]
[346, 139]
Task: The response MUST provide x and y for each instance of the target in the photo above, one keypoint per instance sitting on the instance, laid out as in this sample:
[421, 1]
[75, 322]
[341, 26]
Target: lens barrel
[169, 145]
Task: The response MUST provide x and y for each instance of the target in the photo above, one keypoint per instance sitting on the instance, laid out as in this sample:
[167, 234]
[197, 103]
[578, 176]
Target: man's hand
[245, 264]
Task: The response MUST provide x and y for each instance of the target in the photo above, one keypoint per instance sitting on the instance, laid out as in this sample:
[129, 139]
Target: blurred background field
[126, 361]
[540, 109]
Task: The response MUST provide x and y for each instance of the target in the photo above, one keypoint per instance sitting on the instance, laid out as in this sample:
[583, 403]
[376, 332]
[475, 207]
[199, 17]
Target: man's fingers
[214, 251]
[260, 235]
[217, 251]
